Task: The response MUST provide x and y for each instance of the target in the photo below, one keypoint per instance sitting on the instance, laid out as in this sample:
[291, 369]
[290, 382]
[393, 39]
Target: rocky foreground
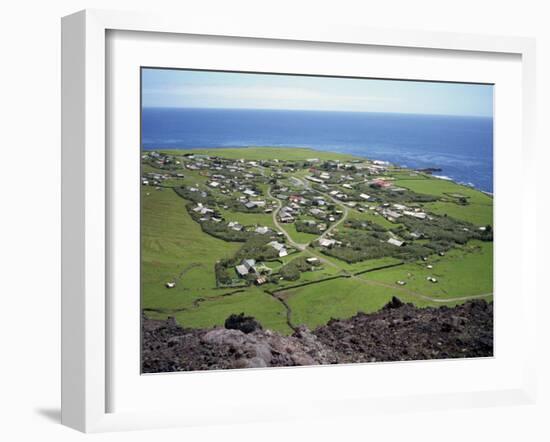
[398, 332]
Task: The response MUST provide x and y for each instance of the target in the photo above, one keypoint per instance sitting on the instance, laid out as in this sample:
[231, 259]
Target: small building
[262, 230]
[280, 247]
[418, 215]
[314, 180]
[323, 242]
[392, 214]
[250, 265]
[241, 270]
[260, 280]
[286, 218]
[234, 225]
[317, 212]
[396, 242]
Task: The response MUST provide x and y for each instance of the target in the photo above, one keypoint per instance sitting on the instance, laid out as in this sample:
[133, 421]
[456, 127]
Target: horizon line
[315, 110]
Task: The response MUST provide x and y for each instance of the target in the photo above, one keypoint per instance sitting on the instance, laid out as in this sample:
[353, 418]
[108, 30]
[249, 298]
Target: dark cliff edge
[397, 332]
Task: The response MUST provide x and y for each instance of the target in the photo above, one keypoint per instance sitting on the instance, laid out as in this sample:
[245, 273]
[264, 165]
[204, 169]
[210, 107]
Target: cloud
[254, 96]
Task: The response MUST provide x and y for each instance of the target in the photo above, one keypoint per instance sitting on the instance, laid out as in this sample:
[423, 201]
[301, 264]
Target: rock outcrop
[397, 332]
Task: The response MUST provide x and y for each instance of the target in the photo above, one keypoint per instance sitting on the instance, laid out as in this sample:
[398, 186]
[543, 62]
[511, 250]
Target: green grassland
[253, 302]
[477, 214]
[479, 207]
[362, 265]
[249, 219]
[461, 272]
[440, 187]
[174, 248]
[300, 237]
[265, 153]
[368, 215]
[171, 242]
[314, 305]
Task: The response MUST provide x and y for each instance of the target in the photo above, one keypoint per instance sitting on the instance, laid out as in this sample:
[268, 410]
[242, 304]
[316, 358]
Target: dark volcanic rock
[408, 333]
[246, 324]
[394, 303]
[397, 332]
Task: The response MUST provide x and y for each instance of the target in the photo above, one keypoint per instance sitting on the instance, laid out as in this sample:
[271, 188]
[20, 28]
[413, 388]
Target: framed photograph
[306, 217]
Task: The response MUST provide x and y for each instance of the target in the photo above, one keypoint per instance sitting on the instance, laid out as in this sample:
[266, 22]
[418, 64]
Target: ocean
[462, 147]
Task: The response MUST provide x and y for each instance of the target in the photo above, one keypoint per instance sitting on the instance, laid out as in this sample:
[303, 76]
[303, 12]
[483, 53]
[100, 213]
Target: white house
[262, 230]
[395, 242]
[323, 242]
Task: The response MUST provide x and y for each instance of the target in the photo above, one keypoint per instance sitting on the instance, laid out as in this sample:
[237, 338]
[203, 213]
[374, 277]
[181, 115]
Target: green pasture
[254, 302]
[477, 214]
[299, 237]
[316, 304]
[172, 243]
[440, 187]
[461, 272]
[257, 153]
[249, 219]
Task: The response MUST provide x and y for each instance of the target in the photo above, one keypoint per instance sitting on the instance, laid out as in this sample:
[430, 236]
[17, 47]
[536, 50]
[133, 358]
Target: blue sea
[462, 147]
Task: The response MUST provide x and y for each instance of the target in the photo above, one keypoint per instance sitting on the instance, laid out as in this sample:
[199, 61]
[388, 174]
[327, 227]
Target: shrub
[290, 272]
[222, 275]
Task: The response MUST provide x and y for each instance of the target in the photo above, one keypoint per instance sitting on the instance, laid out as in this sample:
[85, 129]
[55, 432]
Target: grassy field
[368, 215]
[172, 243]
[478, 214]
[299, 237]
[248, 219]
[439, 187]
[478, 211]
[253, 302]
[461, 272]
[266, 153]
[316, 304]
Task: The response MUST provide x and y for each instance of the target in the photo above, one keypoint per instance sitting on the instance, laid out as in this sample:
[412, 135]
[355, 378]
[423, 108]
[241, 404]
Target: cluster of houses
[231, 178]
[392, 212]
[305, 203]
[153, 179]
[161, 160]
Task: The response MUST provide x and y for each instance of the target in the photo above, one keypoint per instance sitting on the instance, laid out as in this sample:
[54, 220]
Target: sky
[202, 89]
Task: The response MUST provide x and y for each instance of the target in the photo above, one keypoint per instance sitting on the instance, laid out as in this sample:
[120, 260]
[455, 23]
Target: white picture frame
[86, 202]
